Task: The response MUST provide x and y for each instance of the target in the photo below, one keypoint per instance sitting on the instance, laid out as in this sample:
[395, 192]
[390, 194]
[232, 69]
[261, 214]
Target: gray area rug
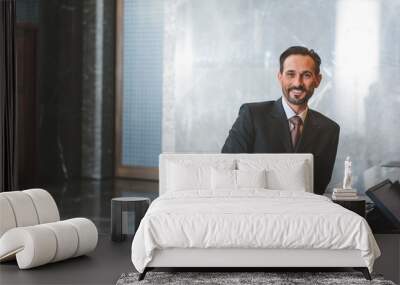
[273, 278]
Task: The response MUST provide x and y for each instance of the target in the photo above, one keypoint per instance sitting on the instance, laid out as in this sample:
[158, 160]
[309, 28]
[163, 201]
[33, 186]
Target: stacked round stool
[126, 214]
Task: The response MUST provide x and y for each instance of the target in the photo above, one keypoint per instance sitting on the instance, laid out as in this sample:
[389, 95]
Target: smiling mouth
[296, 92]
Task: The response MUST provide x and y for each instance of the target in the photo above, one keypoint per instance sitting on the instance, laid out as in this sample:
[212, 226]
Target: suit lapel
[309, 134]
[282, 130]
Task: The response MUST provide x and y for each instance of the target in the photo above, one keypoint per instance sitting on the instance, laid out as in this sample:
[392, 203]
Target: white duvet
[250, 219]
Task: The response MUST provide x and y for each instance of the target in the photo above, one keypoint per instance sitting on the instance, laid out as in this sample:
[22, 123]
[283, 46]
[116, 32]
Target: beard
[298, 101]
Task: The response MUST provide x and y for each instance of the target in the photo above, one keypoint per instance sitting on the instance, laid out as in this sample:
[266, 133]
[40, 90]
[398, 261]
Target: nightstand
[357, 205]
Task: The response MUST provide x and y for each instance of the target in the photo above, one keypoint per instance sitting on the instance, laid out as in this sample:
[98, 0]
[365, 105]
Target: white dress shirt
[290, 113]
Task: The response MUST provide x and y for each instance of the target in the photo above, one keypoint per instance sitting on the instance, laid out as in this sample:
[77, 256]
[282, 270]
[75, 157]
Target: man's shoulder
[324, 121]
[255, 107]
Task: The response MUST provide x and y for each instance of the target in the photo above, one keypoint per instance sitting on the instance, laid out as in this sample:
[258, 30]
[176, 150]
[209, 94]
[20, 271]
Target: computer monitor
[386, 196]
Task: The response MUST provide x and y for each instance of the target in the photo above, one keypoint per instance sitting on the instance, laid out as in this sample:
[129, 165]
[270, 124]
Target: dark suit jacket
[263, 128]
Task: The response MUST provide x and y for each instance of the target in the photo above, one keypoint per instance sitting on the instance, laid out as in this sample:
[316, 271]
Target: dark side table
[357, 205]
[126, 214]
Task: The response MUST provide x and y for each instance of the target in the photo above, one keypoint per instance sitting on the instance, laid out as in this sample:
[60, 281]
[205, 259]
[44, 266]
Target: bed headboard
[165, 158]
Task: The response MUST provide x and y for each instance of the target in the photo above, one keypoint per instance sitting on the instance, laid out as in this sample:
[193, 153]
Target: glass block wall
[27, 10]
[142, 82]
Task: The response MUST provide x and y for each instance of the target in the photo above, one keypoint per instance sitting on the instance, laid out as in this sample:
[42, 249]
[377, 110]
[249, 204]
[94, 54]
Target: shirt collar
[290, 113]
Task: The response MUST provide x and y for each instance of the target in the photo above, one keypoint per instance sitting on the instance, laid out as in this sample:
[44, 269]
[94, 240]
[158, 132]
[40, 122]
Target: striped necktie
[295, 131]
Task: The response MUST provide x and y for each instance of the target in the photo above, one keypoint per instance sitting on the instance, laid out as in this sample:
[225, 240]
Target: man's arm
[241, 135]
[327, 169]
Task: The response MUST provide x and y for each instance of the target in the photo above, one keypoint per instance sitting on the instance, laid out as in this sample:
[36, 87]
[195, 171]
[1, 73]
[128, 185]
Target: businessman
[288, 125]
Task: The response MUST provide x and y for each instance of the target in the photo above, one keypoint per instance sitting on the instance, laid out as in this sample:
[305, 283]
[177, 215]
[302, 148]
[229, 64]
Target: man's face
[298, 79]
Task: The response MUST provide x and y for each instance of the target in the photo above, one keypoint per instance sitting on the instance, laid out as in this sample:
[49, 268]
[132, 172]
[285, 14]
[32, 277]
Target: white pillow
[224, 179]
[193, 174]
[251, 179]
[293, 179]
[289, 174]
[188, 177]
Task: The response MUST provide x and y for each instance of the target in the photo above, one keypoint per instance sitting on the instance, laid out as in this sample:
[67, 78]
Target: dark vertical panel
[7, 96]
[108, 113]
[98, 88]
[26, 104]
[74, 112]
[60, 59]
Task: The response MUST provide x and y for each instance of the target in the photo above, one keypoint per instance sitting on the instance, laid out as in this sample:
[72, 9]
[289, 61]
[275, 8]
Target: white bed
[219, 210]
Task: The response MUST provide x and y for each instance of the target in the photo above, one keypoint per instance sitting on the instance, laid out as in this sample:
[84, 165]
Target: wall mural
[221, 54]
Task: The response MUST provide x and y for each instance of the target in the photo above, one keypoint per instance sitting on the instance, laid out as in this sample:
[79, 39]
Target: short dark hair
[303, 51]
